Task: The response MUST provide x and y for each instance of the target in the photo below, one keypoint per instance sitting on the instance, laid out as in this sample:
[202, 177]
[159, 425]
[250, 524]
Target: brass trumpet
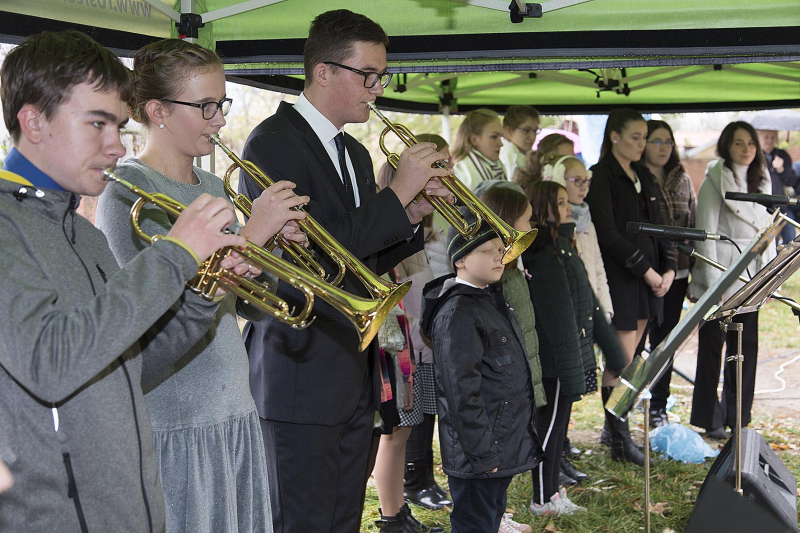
[387, 293]
[365, 314]
[515, 241]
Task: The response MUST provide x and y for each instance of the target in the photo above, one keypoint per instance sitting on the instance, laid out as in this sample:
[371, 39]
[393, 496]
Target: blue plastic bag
[681, 443]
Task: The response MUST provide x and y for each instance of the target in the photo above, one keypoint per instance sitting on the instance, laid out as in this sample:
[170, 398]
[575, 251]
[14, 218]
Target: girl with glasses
[679, 206]
[520, 127]
[206, 429]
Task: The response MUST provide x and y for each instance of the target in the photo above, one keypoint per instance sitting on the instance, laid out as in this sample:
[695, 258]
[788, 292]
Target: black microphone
[675, 233]
[767, 200]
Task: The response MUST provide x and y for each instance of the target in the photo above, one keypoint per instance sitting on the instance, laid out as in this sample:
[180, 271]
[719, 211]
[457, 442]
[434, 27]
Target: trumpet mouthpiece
[374, 108]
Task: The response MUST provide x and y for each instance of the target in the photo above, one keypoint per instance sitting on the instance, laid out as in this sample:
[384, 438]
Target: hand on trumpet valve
[291, 232]
[417, 165]
[272, 211]
[201, 226]
[239, 265]
[434, 187]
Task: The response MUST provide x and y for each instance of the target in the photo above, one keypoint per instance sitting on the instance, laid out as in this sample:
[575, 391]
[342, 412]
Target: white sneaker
[543, 510]
[510, 526]
[563, 504]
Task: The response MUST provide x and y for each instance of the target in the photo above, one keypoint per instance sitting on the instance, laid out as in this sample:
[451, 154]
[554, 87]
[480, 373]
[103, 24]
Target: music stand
[751, 297]
[634, 384]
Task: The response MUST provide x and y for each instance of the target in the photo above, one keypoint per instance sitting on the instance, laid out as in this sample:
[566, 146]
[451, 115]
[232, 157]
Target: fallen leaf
[551, 527]
[659, 508]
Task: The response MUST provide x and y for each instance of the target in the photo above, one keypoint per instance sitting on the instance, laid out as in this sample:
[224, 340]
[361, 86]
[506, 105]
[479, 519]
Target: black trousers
[673, 305]
[317, 473]
[707, 410]
[478, 504]
[551, 426]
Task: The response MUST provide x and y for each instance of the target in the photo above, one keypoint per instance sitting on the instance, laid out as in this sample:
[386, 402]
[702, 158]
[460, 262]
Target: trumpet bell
[520, 240]
[370, 318]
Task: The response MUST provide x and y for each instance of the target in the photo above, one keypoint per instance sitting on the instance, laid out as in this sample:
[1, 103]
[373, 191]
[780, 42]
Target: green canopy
[581, 56]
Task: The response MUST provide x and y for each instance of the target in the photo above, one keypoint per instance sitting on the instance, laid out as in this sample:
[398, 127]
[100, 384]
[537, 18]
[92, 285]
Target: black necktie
[339, 140]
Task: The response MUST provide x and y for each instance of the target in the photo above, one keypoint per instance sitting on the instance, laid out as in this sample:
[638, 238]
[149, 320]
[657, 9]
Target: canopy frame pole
[676, 77]
[237, 9]
[502, 5]
[520, 77]
[164, 10]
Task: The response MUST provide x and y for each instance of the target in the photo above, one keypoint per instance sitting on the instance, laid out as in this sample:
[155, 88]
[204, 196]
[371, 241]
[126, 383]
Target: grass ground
[615, 495]
[614, 498]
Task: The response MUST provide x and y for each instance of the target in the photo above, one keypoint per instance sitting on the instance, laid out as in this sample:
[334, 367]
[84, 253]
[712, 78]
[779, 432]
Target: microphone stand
[689, 251]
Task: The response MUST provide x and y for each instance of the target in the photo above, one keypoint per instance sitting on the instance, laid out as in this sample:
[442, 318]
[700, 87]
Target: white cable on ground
[779, 378]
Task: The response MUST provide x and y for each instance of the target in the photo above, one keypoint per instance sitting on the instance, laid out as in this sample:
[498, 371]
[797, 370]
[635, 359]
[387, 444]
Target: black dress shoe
[717, 434]
[569, 470]
[564, 480]
[427, 497]
[414, 525]
[444, 498]
[658, 418]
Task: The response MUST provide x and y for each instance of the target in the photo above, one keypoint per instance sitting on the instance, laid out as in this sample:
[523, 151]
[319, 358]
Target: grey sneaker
[548, 509]
[563, 504]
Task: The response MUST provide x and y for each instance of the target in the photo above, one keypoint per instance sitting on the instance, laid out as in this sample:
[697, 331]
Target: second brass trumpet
[514, 241]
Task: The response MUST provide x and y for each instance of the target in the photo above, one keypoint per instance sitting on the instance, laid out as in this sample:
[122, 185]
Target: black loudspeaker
[769, 503]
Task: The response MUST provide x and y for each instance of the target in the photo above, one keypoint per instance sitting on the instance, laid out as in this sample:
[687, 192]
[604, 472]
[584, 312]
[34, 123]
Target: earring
[615, 142]
[162, 127]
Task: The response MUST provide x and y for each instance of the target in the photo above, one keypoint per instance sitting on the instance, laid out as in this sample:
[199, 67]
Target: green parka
[517, 296]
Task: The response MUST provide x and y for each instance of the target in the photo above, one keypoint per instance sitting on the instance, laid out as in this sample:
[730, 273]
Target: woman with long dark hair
[740, 168]
[679, 206]
[639, 268]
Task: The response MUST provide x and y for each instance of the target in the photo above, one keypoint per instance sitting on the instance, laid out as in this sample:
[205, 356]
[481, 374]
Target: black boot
[605, 436]
[571, 471]
[417, 490]
[444, 498]
[415, 526]
[393, 524]
[622, 446]
[565, 481]
[570, 450]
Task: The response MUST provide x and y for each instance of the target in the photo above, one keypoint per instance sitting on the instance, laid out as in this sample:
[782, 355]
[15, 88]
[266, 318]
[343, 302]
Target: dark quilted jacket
[568, 317]
[486, 410]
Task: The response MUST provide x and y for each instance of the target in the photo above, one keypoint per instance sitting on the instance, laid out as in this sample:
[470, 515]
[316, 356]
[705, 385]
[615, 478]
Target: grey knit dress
[207, 434]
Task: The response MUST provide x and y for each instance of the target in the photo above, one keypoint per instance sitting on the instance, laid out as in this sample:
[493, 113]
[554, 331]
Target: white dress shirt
[326, 132]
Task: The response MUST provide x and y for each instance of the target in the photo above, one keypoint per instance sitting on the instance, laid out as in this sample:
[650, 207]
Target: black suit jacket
[315, 375]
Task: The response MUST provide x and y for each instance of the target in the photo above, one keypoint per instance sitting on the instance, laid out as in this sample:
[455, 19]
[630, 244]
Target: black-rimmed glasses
[370, 78]
[529, 131]
[209, 108]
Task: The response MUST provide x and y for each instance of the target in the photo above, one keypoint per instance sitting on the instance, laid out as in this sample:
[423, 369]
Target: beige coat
[589, 249]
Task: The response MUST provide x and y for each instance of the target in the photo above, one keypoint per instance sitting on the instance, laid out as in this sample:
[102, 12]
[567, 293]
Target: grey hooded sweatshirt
[71, 370]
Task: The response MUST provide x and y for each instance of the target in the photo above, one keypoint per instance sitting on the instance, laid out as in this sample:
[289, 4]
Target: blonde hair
[161, 70]
[531, 173]
[473, 124]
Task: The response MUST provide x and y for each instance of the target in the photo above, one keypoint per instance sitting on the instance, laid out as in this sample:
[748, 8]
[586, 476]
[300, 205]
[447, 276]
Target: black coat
[568, 316]
[486, 409]
[614, 202]
[315, 375]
